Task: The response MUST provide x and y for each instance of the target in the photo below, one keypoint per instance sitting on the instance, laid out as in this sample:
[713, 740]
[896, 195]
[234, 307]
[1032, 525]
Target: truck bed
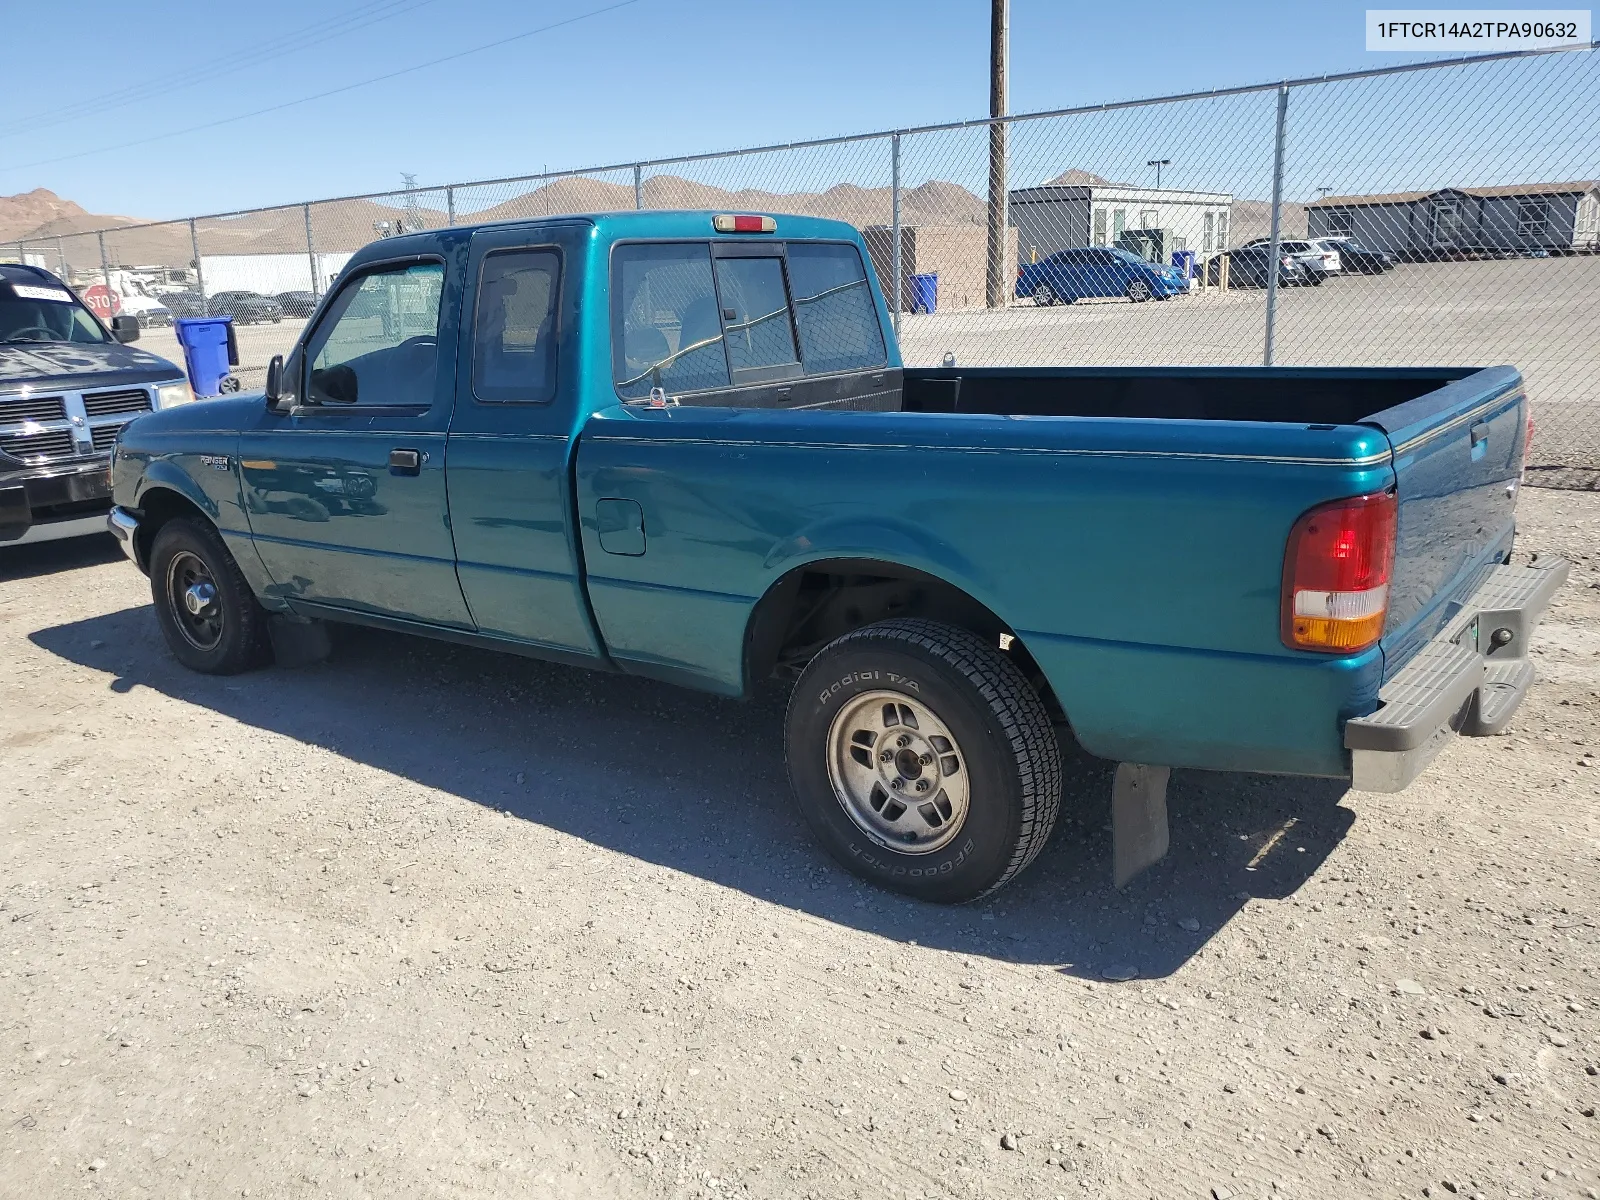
[1301, 395]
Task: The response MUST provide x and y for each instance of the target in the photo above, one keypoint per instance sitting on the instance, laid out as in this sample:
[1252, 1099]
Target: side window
[839, 328]
[755, 316]
[513, 339]
[379, 341]
[665, 327]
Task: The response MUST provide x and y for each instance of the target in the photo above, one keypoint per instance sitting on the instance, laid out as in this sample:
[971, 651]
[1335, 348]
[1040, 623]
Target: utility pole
[996, 284]
[1158, 163]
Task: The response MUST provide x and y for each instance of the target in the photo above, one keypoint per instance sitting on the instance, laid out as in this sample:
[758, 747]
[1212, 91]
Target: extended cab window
[666, 331]
[755, 318]
[379, 341]
[513, 340]
[833, 307]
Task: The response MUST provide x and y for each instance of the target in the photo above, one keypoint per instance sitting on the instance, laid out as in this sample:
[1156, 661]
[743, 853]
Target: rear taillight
[1336, 574]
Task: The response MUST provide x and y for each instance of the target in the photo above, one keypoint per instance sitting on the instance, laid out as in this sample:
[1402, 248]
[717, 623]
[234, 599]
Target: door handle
[405, 462]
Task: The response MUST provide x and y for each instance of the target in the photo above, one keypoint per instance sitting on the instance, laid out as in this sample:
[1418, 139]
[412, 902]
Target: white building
[1151, 222]
[270, 273]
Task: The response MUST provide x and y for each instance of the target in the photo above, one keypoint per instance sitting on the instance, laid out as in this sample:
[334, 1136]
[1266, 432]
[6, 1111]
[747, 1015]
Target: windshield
[1126, 256]
[26, 319]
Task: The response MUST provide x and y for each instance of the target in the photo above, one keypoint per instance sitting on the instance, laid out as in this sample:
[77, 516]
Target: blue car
[1069, 275]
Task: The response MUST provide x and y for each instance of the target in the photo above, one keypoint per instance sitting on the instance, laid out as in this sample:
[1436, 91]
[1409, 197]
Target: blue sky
[658, 77]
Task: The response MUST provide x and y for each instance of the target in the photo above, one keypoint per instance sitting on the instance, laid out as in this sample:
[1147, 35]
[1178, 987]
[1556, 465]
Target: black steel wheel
[207, 612]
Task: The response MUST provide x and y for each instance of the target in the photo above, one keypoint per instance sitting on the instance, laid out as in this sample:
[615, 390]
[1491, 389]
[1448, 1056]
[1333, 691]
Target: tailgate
[1458, 464]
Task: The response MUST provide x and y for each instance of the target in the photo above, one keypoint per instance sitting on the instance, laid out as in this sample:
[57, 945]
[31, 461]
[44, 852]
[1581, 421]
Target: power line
[349, 87]
[295, 40]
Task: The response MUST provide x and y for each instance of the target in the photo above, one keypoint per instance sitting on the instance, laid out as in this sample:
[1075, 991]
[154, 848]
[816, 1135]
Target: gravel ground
[422, 921]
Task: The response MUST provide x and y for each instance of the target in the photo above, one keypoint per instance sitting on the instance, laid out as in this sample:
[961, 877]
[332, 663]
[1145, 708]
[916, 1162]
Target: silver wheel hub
[198, 597]
[898, 773]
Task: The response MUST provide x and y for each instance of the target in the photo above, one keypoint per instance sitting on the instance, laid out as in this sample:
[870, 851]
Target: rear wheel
[1044, 295]
[207, 612]
[923, 760]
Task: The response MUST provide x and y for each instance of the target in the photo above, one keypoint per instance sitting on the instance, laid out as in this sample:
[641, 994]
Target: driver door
[345, 492]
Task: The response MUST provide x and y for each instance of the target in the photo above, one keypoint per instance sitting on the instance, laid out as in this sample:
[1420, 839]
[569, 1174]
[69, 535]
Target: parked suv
[1247, 267]
[68, 385]
[1085, 271]
[297, 304]
[246, 307]
[1319, 260]
[1353, 256]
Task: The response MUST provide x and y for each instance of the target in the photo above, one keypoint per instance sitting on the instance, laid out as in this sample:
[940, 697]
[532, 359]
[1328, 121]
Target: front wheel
[1139, 291]
[207, 612]
[923, 760]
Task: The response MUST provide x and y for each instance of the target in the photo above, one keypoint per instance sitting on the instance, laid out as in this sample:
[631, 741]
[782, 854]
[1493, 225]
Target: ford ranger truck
[67, 386]
[683, 446]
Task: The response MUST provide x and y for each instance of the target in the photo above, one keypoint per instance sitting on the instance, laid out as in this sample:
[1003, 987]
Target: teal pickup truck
[682, 445]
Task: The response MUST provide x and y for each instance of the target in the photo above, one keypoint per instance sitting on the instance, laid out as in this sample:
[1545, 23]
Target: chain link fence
[1442, 213]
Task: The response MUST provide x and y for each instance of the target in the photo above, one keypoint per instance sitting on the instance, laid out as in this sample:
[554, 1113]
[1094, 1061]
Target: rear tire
[207, 612]
[964, 722]
[1044, 295]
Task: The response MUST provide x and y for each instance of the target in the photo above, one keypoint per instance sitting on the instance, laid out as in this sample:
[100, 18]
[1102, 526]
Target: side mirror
[125, 328]
[274, 380]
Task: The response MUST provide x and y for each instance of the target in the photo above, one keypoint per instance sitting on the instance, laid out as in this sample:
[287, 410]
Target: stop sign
[103, 302]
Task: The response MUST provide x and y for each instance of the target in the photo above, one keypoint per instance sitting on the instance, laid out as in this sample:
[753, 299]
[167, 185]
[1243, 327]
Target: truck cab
[68, 384]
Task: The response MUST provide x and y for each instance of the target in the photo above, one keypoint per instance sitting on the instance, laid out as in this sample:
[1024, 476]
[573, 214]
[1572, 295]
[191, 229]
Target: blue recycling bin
[1184, 260]
[209, 349]
[924, 293]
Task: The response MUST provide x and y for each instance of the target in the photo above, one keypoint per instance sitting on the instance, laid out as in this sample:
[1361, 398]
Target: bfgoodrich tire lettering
[1008, 749]
[228, 633]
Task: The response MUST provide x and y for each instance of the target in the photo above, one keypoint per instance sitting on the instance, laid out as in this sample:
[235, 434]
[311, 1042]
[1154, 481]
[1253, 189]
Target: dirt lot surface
[422, 921]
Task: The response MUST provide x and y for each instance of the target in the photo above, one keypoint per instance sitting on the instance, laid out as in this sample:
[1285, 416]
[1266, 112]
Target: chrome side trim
[1369, 460]
[1457, 421]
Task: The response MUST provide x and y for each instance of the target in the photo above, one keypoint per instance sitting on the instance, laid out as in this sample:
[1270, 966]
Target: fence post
[1273, 249]
[450, 206]
[311, 253]
[61, 259]
[897, 270]
[22, 258]
[999, 50]
[105, 265]
[199, 274]
[638, 186]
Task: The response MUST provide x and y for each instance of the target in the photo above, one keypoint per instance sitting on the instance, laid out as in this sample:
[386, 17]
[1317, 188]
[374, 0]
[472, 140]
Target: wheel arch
[158, 505]
[815, 602]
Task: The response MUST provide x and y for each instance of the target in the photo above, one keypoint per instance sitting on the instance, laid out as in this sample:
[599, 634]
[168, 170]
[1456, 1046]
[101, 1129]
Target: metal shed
[1466, 221]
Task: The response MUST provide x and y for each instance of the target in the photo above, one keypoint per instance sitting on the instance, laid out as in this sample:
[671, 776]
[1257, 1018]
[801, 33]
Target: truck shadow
[697, 784]
[48, 558]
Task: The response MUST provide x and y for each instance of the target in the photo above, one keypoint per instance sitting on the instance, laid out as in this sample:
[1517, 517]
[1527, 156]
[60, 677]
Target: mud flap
[297, 642]
[1138, 819]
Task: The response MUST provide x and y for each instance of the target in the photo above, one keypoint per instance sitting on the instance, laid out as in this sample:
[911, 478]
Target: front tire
[922, 760]
[1139, 291]
[207, 612]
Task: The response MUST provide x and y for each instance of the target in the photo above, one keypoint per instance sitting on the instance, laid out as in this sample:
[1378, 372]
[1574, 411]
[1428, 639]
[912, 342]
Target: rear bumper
[1469, 679]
